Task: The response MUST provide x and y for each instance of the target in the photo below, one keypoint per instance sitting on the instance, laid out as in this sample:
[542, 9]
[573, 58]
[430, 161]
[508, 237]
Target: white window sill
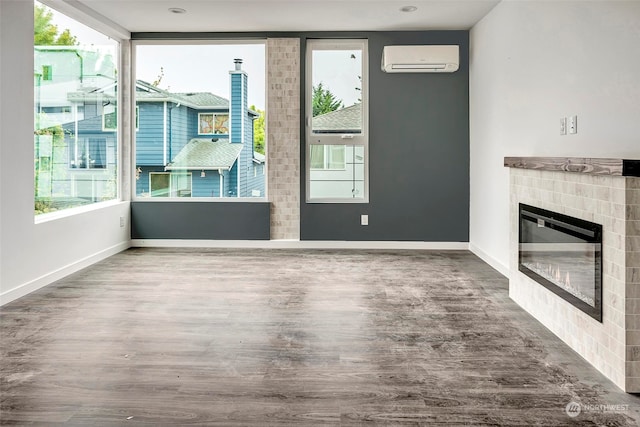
[52, 216]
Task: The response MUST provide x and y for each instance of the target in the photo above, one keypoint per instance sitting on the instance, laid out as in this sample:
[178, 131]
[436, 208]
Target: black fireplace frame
[588, 231]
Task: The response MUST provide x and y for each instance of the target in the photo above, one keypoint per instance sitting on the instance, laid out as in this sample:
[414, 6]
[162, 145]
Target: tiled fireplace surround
[582, 189]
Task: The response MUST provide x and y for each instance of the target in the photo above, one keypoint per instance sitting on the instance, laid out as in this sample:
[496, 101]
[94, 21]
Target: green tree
[324, 101]
[258, 131]
[47, 34]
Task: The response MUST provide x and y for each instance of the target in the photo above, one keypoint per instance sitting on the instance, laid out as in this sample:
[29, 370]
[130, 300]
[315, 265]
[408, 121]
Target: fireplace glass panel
[563, 254]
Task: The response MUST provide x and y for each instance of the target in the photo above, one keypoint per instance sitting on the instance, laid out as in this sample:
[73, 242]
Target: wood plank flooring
[190, 337]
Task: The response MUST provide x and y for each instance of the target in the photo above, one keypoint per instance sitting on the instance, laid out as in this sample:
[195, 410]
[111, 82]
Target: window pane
[75, 82]
[97, 153]
[317, 156]
[339, 183]
[337, 91]
[336, 157]
[181, 184]
[201, 118]
[159, 184]
[336, 113]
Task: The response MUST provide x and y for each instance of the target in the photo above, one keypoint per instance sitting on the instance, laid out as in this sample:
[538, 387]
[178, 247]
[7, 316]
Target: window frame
[345, 139]
[213, 121]
[135, 44]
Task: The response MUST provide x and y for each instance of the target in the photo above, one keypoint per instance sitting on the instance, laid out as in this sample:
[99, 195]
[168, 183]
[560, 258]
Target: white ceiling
[291, 15]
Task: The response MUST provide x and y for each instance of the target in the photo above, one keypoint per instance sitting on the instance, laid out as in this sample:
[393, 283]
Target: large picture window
[75, 85]
[201, 108]
[337, 121]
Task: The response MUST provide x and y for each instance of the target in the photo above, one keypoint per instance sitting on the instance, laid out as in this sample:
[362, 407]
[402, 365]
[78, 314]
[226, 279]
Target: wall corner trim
[49, 278]
[493, 262]
[298, 244]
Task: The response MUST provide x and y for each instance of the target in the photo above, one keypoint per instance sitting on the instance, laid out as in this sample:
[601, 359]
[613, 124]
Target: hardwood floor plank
[200, 337]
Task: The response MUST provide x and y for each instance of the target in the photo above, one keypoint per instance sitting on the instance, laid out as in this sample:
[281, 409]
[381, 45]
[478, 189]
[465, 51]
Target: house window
[198, 116]
[47, 72]
[213, 124]
[337, 121]
[327, 157]
[88, 153]
[165, 184]
[109, 118]
[75, 163]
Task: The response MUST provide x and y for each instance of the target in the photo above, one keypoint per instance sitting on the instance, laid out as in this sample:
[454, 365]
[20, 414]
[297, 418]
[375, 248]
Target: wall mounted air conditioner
[421, 59]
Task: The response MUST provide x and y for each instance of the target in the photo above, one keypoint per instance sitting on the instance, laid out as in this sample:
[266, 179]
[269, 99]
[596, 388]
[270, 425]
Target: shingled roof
[205, 154]
[203, 99]
[148, 92]
[345, 119]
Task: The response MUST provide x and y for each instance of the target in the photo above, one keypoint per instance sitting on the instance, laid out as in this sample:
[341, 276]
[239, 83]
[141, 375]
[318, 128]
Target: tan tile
[633, 278]
[633, 353]
[632, 259]
[632, 321]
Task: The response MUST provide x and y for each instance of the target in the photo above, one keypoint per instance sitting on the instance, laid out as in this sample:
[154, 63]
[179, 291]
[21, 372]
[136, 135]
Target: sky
[187, 68]
[338, 71]
[205, 67]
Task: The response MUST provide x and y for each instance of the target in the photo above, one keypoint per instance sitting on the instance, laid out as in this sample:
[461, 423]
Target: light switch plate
[364, 219]
[563, 125]
[572, 124]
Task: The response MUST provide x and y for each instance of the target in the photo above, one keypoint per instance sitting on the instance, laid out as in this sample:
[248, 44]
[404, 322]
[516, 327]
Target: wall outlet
[572, 124]
[121, 221]
[364, 219]
[563, 125]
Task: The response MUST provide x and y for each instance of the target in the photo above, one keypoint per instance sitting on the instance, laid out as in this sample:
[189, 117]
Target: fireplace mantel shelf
[593, 166]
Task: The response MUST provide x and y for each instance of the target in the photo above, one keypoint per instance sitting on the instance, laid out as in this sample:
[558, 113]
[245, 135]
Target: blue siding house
[74, 158]
[197, 144]
[187, 144]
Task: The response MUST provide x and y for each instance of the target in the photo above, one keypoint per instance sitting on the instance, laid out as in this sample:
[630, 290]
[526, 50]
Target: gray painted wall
[419, 153]
[200, 220]
[418, 166]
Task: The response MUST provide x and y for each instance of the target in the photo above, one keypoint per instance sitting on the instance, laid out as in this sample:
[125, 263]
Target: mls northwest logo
[573, 409]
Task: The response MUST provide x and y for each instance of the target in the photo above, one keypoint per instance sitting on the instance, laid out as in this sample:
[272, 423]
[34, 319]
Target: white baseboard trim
[296, 244]
[58, 274]
[497, 265]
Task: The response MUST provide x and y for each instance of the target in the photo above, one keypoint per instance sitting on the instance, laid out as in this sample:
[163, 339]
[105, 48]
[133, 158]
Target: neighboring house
[72, 87]
[337, 171]
[187, 144]
[197, 144]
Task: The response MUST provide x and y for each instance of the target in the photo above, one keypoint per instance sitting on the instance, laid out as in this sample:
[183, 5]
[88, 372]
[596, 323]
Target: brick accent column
[283, 136]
